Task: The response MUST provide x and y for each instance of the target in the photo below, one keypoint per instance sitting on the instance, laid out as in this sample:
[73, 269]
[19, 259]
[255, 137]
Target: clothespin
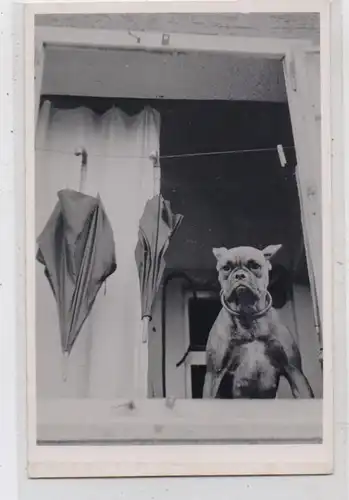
[83, 169]
[154, 156]
[281, 154]
[83, 153]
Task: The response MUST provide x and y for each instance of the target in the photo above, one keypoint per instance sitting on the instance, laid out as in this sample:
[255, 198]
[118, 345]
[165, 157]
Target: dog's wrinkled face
[243, 273]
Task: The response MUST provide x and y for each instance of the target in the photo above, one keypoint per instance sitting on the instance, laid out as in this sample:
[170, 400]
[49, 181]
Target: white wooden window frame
[183, 418]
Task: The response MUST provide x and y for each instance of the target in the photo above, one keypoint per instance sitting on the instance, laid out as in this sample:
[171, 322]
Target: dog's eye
[253, 265]
[226, 267]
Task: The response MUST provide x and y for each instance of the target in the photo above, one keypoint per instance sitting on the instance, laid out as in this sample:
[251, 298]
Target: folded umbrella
[156, 228]
[78, 251]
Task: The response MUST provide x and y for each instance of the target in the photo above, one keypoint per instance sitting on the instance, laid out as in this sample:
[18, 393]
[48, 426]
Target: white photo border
[181, 459]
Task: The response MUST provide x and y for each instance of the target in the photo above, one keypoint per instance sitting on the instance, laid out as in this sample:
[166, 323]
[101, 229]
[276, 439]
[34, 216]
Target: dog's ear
[270, 251]
[219, 252]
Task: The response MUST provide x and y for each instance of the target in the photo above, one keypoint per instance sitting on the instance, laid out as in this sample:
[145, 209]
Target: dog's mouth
[242, 295]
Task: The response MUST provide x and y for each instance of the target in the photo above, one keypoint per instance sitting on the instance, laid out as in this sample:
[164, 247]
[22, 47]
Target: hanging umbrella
[156, 228]
[78, 252]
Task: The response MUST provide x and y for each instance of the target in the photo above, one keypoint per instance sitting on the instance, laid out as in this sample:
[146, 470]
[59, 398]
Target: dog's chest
[251, 355]
[252, 372]
[247, 330]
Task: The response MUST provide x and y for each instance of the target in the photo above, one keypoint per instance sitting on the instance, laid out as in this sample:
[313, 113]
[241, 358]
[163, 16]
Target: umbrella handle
[145, 329]
[65, 366]
[141, 360]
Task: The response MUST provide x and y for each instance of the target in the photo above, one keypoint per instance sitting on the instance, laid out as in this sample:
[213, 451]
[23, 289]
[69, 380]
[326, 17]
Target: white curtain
[119, 168]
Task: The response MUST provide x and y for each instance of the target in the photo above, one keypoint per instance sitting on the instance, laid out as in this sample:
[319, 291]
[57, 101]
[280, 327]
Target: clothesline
[169, 157]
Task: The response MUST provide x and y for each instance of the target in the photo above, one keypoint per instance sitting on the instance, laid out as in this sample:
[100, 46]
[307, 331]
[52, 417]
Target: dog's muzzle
[239, 287]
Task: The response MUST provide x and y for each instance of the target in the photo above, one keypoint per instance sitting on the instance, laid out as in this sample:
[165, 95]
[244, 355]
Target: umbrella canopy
[156, 227]
[78, 251]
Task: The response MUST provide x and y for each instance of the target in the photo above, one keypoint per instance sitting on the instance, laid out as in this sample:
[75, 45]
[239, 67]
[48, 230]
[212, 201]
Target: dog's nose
[240, 275]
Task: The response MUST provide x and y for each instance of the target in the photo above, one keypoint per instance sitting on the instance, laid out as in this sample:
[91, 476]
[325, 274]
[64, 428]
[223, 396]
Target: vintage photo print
[178, 223]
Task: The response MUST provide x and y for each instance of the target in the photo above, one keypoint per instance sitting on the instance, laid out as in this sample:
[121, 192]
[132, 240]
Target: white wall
[13, 482]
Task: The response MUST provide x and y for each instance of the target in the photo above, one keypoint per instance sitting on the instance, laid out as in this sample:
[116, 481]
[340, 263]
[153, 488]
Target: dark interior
[202, 314]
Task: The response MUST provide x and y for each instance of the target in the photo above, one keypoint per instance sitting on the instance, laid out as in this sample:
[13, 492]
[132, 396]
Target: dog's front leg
[210, 376]
[299, 384]
[212, 381]
[208, 385]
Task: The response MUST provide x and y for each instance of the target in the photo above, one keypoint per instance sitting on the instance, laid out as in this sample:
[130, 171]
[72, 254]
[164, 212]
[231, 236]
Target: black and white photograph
[178, 229]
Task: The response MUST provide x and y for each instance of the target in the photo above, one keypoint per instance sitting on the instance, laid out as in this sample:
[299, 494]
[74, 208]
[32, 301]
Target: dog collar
[254, 315]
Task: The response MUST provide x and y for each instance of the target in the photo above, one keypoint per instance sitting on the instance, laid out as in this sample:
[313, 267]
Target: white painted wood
[178, 419]
[302, 75]
[308, 340]
[28, 229]
[196, 358]
[268, 47]
[267, 25]
[39, 60]
[43, 124]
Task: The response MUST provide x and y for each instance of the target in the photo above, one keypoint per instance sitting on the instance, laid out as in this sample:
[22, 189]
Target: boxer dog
[247, 343]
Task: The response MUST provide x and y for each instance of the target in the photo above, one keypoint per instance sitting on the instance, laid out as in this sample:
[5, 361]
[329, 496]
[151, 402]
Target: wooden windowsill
[87, 421]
